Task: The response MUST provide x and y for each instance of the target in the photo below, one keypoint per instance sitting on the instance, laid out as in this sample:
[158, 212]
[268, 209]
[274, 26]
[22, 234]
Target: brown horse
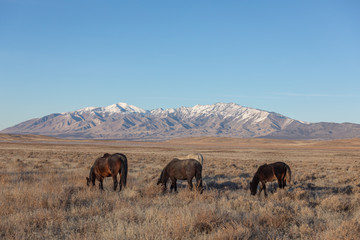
[268, 173]
[109, 165]
[181, 170]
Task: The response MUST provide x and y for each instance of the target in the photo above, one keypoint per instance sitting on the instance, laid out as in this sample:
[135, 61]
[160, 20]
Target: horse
[268, 173]
[109, 165]
[185, 169]
[196, 156]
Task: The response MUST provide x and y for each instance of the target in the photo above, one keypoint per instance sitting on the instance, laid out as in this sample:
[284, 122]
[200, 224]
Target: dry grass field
[43, 192]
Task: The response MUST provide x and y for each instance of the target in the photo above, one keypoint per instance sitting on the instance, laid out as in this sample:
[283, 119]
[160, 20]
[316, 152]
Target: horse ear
[87, 179]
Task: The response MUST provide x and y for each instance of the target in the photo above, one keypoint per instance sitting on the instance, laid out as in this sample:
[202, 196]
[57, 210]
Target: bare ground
[43, 192]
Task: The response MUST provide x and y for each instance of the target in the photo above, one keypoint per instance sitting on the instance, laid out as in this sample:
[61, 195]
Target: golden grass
[43, 192]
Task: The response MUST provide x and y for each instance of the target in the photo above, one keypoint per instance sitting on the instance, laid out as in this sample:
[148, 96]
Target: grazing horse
[268, 173]
[109, 165]
[196, 156]
[181, 170]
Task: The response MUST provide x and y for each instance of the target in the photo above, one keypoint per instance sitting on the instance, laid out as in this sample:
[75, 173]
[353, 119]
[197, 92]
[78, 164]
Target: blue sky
[297, 58]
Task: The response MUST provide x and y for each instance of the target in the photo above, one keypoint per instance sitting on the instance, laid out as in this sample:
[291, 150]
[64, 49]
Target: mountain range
[128, 122]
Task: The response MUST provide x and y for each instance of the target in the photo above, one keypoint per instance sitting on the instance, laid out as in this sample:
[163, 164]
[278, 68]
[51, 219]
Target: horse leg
[173, 184]
[263, 187]
[280, 182]
[164, 188]
[199, 186]
[115, 182]
[265, 190]
[120, 184]
[284, 180]
[190, 184]
[101, 184]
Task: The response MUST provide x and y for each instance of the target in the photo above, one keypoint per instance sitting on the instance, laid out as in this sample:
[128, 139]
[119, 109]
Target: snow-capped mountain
[114, 108]
[124, 121]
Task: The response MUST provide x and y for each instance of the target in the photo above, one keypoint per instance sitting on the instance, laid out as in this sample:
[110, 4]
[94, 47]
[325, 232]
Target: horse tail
[198, 177]
[123, 169]
[288, 174]
[201, 159]
[91, 173]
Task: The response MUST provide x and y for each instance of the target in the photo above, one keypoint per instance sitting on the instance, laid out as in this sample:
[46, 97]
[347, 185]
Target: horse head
[253, 188]
[159, 180]
[162, 178]
[91, 177]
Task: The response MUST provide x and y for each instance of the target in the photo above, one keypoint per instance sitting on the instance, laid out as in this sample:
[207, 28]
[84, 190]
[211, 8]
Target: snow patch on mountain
[114, 108]
[223, 110]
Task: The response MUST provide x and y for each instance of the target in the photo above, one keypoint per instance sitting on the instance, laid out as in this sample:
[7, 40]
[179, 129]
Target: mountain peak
[119, 107]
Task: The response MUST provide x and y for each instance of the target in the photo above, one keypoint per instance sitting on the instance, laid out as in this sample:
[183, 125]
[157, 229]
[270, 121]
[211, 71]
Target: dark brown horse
[109, 165]
[182, 170]
[268, 173]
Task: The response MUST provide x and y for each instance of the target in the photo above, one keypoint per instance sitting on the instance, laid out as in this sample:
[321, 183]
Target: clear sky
[297, 58]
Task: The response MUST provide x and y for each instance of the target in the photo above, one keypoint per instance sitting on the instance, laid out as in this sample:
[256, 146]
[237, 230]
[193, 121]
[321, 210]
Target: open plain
[43, 192]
